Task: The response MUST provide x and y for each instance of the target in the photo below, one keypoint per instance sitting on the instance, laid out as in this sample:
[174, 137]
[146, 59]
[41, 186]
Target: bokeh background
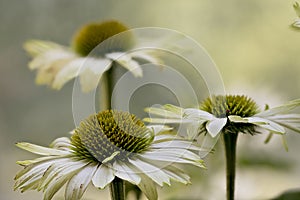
[256, 51]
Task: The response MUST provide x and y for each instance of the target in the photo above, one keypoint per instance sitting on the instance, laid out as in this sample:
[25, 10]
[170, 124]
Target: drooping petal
[151, 171]
[148, 187]
[79, 182]
[175, 144]
[103, 176]
[173, 159]
[159, 128]
[59, 168]
[126, 172]
[196, 114]
[165, 120]
[92, 71]
[47, 59]
[47, 73]
[62, 143]
[296, 24]
[36, 149]
[163, 112]
[175, 109]
[173, 172]
[69, 71]
[297, 8]
[280, 109]
[127, 62]
[60, 178]
[215, 126]
[207, 145]
[147, 56]
[266, 124]
[184, 153]
[36, 47]
[237, 119]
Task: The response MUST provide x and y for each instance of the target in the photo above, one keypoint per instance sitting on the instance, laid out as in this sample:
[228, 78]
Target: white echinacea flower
[57, 64]
[296, 23]
[106, 146]
[230, 114]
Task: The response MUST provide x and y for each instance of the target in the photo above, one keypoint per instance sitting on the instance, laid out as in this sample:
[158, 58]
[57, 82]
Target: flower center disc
[109, 132]
[91, 35]
[223, 106]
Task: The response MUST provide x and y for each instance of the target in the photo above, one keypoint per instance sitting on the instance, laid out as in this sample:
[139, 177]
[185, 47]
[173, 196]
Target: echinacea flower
[296, 23]
[230, 114]
[57, 64]
[106, 146]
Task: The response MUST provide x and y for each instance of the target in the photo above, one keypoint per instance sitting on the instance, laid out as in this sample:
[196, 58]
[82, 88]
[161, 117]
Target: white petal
[147, 56]
[127, 62]
[215, 126]
[176, 174]
[192, 129]
[266, 124]
[60, 178]
[47, 59]
[196, 114]
[62, 143]
[28, 178]
[126, 172]
[159, 128]
[36, 47]
[297, 8]
[79, 182]
[237, 119]
[40, 150]
[151, 171]
[47, 73]
[179, 153]
[171, 158]
[175, 144]
[165, 120]
[280, 109]
[148, 187]
[68, 72]
[208, 144]
[114, 154]
[91, 73]
[163, 112]
[29, 169]
[175, 109]
[103, 176]
[63, 166]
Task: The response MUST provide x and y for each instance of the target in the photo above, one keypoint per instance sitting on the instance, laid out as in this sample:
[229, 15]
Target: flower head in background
[296, 23]
[230, 114]
[57, 64]
[107, 145]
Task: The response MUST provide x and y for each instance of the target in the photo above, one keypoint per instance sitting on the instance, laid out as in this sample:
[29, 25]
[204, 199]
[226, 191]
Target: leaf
[289, 195]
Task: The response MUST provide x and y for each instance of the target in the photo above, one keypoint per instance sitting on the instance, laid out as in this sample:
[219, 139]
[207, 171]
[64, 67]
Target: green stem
[109, 87]
[117, 189]
[230, 140]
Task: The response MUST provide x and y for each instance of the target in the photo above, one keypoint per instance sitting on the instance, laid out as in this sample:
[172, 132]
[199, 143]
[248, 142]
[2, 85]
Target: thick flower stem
[117, 189]
[230, 140]
[109, 90]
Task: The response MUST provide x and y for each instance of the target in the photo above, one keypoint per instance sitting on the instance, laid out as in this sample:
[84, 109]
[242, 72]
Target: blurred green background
[250, 41]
